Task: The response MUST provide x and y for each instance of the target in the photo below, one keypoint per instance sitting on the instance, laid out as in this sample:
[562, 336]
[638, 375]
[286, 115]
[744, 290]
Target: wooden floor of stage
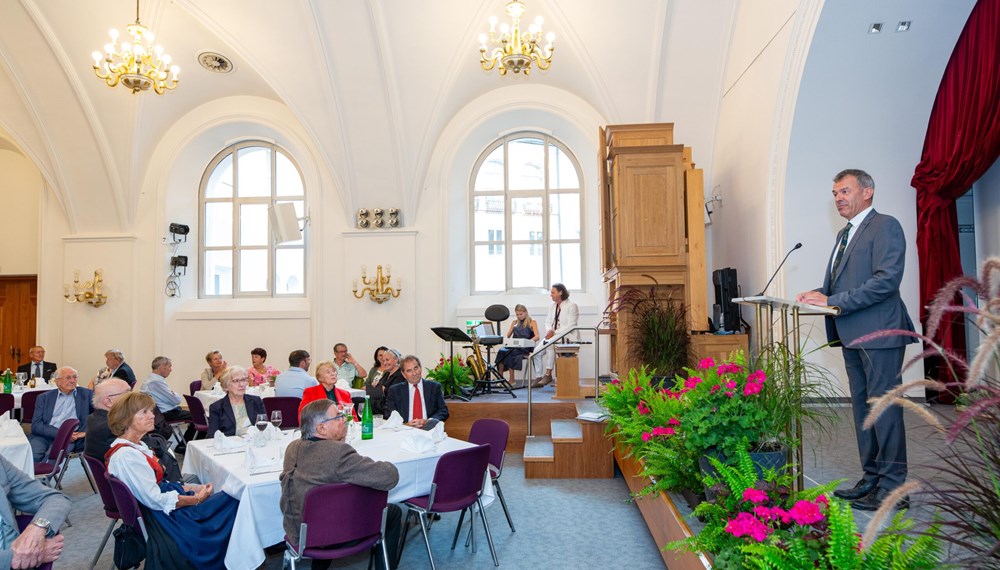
[514, 411]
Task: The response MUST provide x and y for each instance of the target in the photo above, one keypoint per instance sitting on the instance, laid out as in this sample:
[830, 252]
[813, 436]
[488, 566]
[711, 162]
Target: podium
[567, 372]
[765, 309]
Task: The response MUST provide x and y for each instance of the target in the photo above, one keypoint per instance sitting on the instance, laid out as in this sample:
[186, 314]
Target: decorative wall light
[377, 288]
[378, 218]
[88, 291]
[393, 217]
[363, 221]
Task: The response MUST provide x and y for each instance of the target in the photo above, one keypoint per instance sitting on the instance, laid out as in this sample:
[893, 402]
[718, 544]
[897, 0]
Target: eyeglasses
[112, 396]
[243, 381]
[336, 417]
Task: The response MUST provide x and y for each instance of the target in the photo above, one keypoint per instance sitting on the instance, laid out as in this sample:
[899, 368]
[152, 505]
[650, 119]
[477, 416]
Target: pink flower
[643, 409]
[691, 382]
[637, 390]
[677, 422]
[731, 385]
[757, 376]
[615, 381]
[822, 500]
[706, 363]
[730, 394]
[752, 388]
[805, 512]
[668, 431]
[715, 388]
[663, 431]
[745, 524]
[646, 436]
[727, 368]
[755, 496]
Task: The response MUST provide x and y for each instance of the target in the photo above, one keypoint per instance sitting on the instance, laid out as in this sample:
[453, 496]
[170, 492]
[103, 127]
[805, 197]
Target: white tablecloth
[259, 519]
[15, 448]
[208, 397]
[19, 393]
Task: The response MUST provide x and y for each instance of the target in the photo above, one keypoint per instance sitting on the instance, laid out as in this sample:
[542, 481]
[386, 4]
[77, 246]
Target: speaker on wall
[284, 222]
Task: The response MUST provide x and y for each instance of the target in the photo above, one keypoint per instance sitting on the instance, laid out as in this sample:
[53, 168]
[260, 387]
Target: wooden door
[18, 303]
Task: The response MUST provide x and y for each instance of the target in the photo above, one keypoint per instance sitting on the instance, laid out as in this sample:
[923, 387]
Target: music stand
[451, 335]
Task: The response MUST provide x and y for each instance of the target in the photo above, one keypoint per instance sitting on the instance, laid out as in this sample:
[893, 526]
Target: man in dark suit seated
[38, 368]
[321, 457]
[115, 360]
[56, 406]
[418, 400]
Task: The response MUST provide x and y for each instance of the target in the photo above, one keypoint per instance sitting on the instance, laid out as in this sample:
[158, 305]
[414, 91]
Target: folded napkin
[10, 428]
[217, 388]
[223, 443]
[263, 459]
[437, 433]
[395, 421]
[417, 441]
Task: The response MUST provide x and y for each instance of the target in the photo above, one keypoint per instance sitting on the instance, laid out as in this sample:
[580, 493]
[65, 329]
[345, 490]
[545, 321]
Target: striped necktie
[845, 233]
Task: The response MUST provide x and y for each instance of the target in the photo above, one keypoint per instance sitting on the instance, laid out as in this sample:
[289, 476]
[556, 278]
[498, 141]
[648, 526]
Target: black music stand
[452, 335]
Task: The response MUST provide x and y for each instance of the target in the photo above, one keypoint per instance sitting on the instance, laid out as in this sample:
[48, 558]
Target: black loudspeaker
[725, 289]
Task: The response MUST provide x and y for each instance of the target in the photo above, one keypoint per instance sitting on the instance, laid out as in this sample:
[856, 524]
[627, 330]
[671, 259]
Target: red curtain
[962, 143]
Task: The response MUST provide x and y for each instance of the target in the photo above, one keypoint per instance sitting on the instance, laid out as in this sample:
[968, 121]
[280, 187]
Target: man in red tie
[418, 400]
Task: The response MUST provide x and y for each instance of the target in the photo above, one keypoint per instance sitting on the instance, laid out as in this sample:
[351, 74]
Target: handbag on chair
[130, 547]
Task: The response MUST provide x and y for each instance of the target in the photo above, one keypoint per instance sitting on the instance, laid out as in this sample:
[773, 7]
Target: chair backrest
[364, 504]
[6, 403]
[60, 445]
[289, 408]
[197, 410]
[495, 433]
[458, 478]
[128, 507]
[28, 405]
[195, 386]
[99, 473]
[498, 314]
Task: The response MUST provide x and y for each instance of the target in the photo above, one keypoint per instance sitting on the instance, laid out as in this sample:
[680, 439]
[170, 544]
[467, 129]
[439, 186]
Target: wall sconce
[363, 218]
[378, 218]
[377, 288]
[87, 292]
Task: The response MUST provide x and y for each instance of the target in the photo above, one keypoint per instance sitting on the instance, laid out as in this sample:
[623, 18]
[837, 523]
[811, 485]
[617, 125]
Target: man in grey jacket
[38, 542]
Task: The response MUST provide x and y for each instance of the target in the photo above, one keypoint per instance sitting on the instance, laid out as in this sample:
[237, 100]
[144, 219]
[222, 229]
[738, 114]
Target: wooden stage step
[566, 431]
[539, 449]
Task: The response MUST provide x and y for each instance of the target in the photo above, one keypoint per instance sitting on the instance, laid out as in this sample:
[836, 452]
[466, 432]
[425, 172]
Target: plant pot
[691, 498]
[762, 460]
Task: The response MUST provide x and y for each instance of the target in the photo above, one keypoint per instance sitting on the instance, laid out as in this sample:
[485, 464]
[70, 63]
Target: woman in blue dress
[198, 522]
[511, 358]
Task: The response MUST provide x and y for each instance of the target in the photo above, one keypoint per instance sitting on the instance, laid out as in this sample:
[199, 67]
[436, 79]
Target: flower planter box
[662, 517]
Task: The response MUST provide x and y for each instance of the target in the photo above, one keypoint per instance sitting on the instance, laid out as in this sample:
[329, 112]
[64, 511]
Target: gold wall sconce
[377, 288]
[378, 218]
[87, 292]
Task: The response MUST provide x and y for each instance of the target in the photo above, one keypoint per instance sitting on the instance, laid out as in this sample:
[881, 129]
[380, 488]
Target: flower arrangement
[452, 374]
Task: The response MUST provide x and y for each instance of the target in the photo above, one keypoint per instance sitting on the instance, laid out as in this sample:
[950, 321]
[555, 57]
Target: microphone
[780, 265]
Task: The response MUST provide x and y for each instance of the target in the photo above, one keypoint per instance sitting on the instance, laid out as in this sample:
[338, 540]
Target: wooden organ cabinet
[652, 228]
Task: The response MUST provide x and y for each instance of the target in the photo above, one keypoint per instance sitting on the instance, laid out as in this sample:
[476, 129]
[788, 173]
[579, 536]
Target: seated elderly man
[37, 542]
[321, 457]
[167, 401]
[293, 381]
[99, 436]
[54, 407]
[417, 400]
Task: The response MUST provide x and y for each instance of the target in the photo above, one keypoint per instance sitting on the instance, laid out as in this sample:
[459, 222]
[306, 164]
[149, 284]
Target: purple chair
[289, 408]
[495, 433]
[22, 523]
[319, 532]
[198, 417]
[99, 472]
[28, 405]
[6, 403]
[128, 507]
[458, 484]
[47, 470]
[195, 386]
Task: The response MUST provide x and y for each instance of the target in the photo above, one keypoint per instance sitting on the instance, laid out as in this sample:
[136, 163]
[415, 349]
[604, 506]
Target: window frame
[235, 248]
[507, 244]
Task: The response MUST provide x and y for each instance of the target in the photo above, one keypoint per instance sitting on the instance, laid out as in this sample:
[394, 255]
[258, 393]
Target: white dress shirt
[129, 464]
[423, 400]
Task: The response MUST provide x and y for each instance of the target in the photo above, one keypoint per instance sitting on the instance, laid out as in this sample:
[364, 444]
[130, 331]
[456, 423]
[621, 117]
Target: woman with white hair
[237, 410]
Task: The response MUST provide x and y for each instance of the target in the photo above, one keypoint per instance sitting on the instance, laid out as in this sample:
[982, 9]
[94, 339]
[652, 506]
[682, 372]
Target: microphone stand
[780, 265]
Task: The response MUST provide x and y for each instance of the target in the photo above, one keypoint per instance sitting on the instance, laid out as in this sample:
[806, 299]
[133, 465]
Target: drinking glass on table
[262, 422]
[22, 377]
[276, 418]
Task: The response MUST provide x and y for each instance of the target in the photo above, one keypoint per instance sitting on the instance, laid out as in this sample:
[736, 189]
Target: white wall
[21, 191]
[987, 200]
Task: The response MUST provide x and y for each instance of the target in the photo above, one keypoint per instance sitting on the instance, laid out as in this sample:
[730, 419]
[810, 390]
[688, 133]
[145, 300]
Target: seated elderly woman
[326, 374]
[216, 367]
[390, 374]
[195, 521]
[237, 410]
[259, 372]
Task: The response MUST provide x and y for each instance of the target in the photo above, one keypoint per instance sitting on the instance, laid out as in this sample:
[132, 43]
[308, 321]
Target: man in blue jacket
[54, 407]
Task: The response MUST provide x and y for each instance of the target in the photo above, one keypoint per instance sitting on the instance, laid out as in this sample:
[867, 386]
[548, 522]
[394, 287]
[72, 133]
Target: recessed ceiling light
[875, 28]
[903, 26]
[215, 62]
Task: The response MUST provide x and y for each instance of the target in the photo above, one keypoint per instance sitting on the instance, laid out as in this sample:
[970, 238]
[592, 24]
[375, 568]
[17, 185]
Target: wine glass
[262, 422]
[276, 418]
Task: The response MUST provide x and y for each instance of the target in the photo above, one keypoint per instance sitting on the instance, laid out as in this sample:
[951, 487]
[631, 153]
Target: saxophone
[475, 362]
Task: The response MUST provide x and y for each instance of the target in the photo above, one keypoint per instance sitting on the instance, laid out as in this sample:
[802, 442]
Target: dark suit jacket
[398, 398]
[125, 373]
[866, 287]
[222, 418]
[45, 405]
[48, 369]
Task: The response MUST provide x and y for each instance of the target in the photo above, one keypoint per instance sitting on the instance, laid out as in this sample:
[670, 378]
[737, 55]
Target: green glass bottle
[8, 382]
[367, 422]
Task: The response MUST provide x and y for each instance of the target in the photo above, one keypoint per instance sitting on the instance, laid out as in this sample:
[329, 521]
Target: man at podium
[862, 280]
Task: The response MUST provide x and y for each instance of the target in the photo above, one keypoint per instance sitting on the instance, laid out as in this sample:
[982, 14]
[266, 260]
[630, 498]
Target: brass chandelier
[512, 50]
[138, 65]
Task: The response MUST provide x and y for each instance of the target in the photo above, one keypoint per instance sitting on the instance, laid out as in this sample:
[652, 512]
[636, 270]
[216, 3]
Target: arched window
[527, 212]
[240, 255]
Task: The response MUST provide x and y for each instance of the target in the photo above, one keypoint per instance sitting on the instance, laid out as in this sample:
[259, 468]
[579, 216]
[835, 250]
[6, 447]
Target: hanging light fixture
[512, 50]
[136, 64]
